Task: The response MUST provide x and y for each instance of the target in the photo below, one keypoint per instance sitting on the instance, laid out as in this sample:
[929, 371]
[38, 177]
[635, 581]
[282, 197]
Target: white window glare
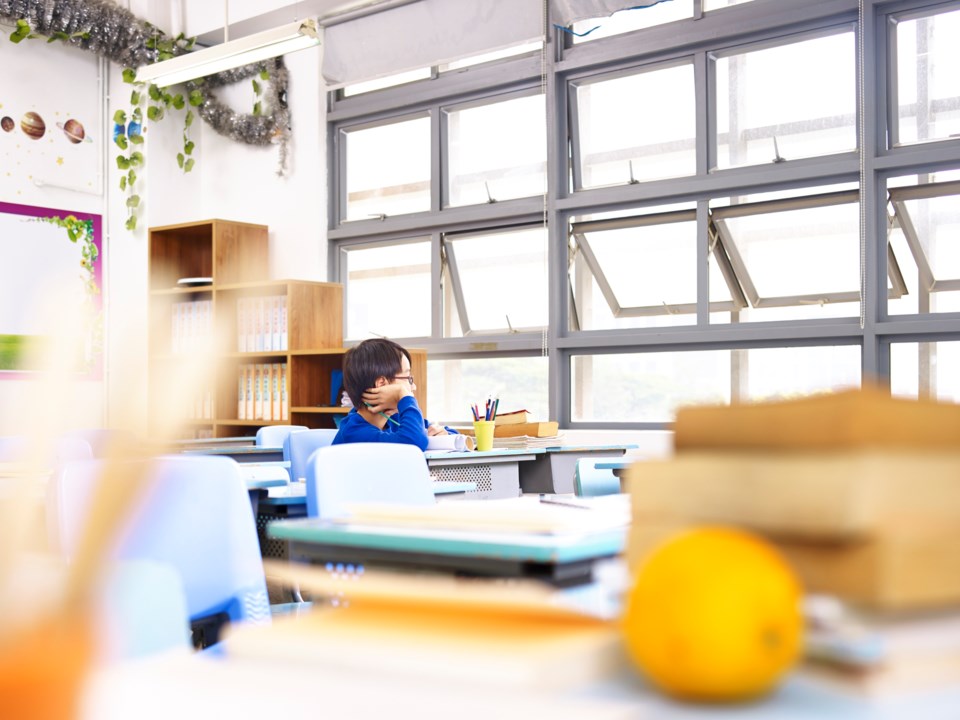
[711, 5]
[386, 82]
[508, 52]
[787, 102]
[928, 85]
[497, 151]
[388, 290]
[631, 19]
[388, 169]
[637, 127]
[501, 279]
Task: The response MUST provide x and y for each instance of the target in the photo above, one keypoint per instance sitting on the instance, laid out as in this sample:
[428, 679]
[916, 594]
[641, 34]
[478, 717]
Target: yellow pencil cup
[483, 430]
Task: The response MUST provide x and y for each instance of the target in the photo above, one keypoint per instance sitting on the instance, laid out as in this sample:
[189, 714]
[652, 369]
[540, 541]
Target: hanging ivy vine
[101, 27]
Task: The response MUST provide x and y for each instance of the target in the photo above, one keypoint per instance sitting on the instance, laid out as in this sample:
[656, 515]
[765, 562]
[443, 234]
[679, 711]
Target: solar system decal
[50, 133]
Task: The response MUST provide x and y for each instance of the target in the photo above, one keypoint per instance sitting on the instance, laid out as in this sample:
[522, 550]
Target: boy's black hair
[371, 359]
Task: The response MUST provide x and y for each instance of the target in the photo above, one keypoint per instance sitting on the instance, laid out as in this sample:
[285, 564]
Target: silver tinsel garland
[118, 35]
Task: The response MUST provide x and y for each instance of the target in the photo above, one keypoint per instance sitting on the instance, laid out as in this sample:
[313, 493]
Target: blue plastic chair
[276, 435]
[589, 481]
[63, 449]
[298, 447]
[194, 515]
[388, 473]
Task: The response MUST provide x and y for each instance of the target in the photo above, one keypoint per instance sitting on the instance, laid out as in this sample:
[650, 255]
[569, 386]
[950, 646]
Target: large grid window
[699, 201]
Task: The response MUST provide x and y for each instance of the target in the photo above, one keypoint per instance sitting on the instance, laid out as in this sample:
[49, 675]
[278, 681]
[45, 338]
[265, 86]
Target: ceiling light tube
[242, 51]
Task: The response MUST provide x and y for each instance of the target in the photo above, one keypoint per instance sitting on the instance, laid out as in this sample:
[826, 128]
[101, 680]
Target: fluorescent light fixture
[242, 51]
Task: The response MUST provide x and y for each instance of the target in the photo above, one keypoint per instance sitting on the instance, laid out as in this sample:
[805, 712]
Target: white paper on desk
[447, 443]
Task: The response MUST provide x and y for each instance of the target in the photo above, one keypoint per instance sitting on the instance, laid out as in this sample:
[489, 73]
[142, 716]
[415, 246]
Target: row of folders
[262, 392]
[262, 324]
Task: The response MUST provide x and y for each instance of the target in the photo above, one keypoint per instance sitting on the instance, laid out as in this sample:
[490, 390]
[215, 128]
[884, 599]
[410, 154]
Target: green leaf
[121, 141]
[164, 55]
[191, 42]
[136, 158]
[135, 97]
[256, 108]
[188, 147]
[131, 223]
[136, 139]
[154, 92]
[180, 159]
[155, 112]
[137, 114]
[122, 162]
[188, 166]
[151, 43]
[120, 117]
[188, 120]
[129, 75]
[167, 99]
[256, 87]
[133, 201]
[264, 74]
[16, 36]
[72, 234]
[178, 101]
[131, 177]
[196, 98]
[123, 182]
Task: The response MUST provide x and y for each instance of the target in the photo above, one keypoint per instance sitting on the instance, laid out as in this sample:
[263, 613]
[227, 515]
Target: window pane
[385, 82]
[503, 278]
[928, 85]
[387, 290]
[709, 5]
[388, 169]
[924, 237]
[805, 258]
[492, 56]
[632, 19]
[643, 276]
[624, 134]
[649, 387]
[455, 385]
[792, 101]
[927, 370]
[497, 151]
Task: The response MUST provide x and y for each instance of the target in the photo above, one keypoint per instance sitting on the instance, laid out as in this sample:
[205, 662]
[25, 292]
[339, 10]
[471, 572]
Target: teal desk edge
[560, 548]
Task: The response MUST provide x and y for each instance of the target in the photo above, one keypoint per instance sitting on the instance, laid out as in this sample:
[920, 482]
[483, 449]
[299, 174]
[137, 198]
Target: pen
[383, 414]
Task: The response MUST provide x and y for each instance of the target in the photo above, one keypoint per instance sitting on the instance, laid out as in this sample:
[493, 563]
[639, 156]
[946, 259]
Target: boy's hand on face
[436, 429]
[386, 397]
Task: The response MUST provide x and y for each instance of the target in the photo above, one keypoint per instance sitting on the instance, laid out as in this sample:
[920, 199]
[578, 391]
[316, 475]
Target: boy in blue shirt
[376, 376]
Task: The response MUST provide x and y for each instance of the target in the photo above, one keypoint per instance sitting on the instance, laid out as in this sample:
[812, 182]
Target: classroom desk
[554, 470]
[495, 472]
[242, 454]
[194, 687]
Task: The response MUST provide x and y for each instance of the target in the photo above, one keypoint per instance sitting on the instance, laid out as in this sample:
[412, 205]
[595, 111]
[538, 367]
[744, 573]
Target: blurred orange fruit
[714, 615]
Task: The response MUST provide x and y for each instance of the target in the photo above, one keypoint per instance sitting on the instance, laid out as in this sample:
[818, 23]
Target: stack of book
[858, 490]
[518, 430]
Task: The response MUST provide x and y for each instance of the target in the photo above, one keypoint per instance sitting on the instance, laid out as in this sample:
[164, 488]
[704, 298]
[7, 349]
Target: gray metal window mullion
[436, 285]
[438, 158]
[576, 150]
[703, 263]
[341, 159]
[451, 257]
[887, 52]
[706, 109]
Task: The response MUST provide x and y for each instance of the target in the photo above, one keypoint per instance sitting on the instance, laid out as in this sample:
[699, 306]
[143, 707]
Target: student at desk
[376, 376]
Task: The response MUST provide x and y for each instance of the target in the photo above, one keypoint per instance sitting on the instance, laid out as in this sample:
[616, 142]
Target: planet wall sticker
[74, 131]
[7, 123]
[33, 125]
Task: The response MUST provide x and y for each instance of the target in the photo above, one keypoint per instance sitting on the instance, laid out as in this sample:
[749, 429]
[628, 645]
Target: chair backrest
[101, 439]
[194, 515]
[389, 473]
[589, 481]
[275, 435]
[298, 447]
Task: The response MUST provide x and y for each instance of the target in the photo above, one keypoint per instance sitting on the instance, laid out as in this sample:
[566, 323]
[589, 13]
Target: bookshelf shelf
[320, 410]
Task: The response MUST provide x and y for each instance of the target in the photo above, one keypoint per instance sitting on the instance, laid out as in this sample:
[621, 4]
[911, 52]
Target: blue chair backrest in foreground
[194, 514]
[386, 473]
[275, 435]
[589, 481]
[298, 447]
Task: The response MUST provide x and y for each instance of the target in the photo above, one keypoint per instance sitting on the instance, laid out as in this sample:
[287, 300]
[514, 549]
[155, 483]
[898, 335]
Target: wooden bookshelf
[235, 257]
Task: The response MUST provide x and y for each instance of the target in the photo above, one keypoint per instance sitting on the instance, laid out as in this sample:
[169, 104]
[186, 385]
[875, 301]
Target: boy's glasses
[408, 378]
